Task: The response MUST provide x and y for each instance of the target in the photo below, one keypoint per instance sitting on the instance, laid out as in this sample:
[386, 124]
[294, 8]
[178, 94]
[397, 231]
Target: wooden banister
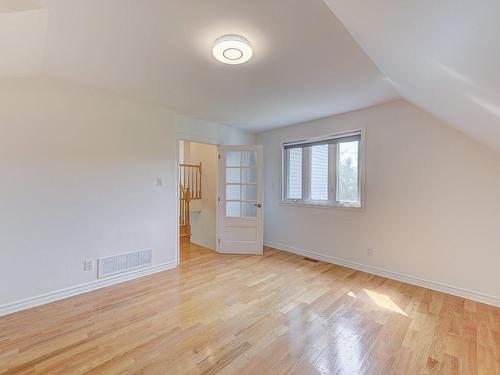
[190, 188]
[187, 223]
[184, 211]
[190, 178]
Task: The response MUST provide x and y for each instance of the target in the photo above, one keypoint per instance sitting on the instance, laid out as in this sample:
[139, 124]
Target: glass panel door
[240, 214]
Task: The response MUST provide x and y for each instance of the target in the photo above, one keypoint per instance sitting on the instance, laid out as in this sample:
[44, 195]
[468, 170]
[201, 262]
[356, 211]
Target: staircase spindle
[190, 188]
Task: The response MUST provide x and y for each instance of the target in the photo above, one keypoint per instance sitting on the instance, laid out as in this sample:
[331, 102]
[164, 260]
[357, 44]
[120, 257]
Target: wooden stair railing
[185, 218]
[190, 178]
[190, 188]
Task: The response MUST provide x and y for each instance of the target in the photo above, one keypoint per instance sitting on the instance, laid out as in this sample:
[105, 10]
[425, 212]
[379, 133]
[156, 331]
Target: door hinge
[219, 199]
[218, 240]
[219, 156]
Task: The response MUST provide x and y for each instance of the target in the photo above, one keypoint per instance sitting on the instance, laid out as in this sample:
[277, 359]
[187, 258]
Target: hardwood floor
[278, 313]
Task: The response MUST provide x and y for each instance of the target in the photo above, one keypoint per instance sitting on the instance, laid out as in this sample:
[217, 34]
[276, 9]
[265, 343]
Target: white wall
[78, 180]
[432, 209]
[23, 34]
[204, 222]
[181, 151]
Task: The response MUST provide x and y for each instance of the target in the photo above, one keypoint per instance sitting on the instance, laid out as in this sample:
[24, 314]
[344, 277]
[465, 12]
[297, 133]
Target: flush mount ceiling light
[232, 49]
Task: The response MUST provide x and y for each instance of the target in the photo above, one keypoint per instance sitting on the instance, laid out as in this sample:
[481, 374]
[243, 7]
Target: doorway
[197, 198]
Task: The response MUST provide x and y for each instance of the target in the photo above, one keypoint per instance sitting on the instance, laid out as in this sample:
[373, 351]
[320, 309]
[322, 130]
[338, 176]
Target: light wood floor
[278, 313]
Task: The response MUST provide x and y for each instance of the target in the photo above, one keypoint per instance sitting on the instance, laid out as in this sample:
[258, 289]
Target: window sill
[344, 207]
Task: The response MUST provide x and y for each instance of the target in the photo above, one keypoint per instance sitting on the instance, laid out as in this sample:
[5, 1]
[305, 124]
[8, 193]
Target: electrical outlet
[369, 252]
[88, 265]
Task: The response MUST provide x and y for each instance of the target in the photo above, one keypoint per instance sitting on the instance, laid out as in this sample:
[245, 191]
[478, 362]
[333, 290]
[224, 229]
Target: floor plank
[277, 313]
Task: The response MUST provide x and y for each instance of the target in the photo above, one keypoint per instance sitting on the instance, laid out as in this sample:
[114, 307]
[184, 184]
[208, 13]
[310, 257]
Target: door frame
[197, 139]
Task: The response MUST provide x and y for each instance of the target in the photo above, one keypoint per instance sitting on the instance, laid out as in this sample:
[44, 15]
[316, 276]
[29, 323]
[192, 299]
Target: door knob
[258, 205]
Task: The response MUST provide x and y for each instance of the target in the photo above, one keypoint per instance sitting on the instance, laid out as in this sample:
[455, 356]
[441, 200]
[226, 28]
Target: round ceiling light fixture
[232, 49]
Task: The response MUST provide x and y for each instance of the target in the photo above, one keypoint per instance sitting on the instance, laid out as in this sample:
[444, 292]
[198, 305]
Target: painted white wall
[23, 33]
[204, 222]
[78, 180]
[181, 151]
[431, 208]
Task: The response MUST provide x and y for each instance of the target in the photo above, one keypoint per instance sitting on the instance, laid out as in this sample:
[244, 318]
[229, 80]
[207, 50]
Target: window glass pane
[294, 174]
[249, 175]
[233, 158]
[319, 172]
[233, 175]
[233, 209]
[248, 158]
[249, 192]
[249, 210]
[347, 172]
[233, 192]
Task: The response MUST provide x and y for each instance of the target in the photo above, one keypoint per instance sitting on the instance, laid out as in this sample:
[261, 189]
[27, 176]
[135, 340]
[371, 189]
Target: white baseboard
[82, 288]
[460, 292]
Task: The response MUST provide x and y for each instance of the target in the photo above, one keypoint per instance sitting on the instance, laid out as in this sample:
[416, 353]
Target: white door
[240, 207]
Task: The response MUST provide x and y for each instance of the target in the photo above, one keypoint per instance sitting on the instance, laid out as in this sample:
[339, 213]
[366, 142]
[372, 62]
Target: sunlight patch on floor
[384, 301]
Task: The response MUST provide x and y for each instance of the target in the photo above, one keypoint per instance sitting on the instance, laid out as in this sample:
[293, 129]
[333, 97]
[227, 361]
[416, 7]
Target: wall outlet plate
[369, 252]
[88, 265]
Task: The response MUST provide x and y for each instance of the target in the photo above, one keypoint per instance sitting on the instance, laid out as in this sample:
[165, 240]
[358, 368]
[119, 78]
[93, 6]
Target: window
[319, 172]
[294, 176]
[324, 171]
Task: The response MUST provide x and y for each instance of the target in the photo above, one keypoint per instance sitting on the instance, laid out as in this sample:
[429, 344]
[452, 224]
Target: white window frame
[332, 201]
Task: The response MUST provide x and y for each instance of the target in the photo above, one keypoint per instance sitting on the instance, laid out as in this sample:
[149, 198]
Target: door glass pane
[241, 188]
[233, 158]
[248, 159]
[319, 172]
[294, 174]
[249, 192]
[249, 175]
[249, 210]
[233, 192]
[347, 172]
[233, 175]
[233, 209]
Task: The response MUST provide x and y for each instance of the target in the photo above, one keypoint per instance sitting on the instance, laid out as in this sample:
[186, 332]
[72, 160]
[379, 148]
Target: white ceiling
[443, 56]
[305, 65]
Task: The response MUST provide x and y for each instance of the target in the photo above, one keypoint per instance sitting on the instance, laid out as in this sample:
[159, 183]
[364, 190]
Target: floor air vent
[115, 264]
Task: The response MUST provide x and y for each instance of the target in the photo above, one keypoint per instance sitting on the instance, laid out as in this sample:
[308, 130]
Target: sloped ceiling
[443, 56]
[305, 65]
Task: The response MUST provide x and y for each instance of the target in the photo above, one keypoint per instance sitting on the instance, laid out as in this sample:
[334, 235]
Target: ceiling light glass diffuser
[232, 49]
